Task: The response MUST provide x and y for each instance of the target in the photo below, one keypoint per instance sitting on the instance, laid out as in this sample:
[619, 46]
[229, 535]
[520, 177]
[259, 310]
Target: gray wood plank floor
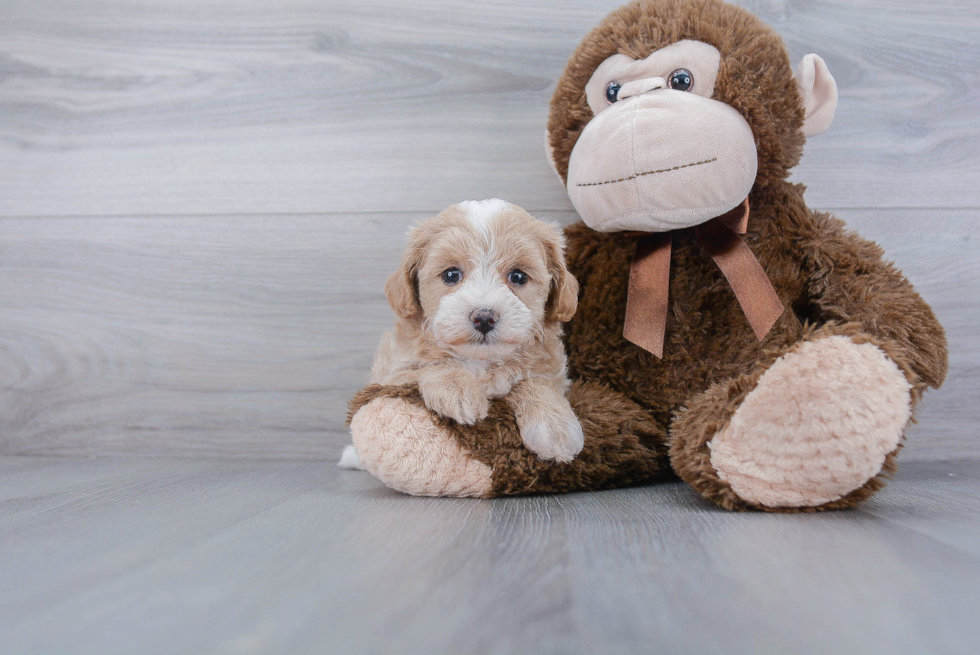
[123, 555]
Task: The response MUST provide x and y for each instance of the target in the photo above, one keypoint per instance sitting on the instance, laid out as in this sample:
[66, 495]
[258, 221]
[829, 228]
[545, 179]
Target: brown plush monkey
[725, 332]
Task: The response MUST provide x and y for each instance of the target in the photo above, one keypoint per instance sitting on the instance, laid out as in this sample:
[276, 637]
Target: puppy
[480, 295]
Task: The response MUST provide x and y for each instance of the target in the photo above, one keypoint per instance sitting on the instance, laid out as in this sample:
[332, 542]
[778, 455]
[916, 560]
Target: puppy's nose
[484, 320]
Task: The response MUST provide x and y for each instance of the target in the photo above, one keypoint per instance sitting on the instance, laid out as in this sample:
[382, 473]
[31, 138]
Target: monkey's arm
[848, 281]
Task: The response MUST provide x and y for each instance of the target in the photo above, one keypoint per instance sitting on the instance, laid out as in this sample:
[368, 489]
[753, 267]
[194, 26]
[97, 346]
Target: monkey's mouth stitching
[662, 170]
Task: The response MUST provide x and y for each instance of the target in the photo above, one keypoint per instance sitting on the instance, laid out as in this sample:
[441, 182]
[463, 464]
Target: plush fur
[855, 404]
[755, 76]
[857, 342]
[405, 445]
[623, 446]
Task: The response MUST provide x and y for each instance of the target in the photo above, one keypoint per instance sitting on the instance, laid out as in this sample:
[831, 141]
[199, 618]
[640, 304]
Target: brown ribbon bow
[646, 303]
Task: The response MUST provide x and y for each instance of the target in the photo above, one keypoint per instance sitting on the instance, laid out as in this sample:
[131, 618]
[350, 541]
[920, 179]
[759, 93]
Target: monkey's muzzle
[661, 160]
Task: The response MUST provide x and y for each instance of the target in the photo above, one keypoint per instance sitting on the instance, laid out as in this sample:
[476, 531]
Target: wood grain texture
[245, 336]
[129, 107]
[199, 203]
[119, 555]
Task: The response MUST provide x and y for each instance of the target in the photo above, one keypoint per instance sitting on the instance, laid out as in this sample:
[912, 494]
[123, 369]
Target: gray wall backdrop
[200, 200]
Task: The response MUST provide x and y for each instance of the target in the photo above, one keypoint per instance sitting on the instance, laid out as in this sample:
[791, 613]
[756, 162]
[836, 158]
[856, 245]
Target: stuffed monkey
[726, 333]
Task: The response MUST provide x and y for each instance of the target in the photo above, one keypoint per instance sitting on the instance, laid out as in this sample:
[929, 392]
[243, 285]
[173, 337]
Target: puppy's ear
[402, 288]
[563, 298]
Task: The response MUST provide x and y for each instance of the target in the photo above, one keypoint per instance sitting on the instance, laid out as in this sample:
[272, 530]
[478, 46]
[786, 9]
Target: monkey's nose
[484, 320]
[637, 87]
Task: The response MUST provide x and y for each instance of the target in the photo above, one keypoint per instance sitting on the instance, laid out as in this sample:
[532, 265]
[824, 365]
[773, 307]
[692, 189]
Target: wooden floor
[199, 203]
[124, 555]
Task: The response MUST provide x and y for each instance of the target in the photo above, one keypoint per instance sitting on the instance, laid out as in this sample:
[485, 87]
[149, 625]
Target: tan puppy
[480, 294]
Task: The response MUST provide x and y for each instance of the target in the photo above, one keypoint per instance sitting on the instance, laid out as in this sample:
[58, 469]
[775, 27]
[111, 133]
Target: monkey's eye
[517, 277]
[452, 276]
[612, 92]
[681, 80]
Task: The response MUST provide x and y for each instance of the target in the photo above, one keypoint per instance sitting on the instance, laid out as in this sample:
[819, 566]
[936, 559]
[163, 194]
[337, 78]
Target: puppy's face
[484, 277]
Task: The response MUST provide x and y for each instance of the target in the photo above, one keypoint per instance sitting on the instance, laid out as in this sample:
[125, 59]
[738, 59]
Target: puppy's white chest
[476, 367]
[496, 381]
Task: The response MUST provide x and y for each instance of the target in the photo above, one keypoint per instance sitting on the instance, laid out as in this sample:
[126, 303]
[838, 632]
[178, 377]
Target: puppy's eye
[452, 276]
[517, 277]
[612, 92]
[681, 80]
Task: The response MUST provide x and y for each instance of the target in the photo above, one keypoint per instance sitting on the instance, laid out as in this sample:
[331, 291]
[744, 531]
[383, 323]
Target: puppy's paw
[552, 433]
[469, 408]
[462, 405]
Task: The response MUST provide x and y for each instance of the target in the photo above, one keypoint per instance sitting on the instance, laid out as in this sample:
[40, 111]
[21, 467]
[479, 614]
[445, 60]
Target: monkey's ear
[819, 91]
[402, 288]
[551, 154]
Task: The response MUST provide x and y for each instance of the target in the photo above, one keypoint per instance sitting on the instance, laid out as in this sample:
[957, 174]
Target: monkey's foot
[817, 426]
[401, 444]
